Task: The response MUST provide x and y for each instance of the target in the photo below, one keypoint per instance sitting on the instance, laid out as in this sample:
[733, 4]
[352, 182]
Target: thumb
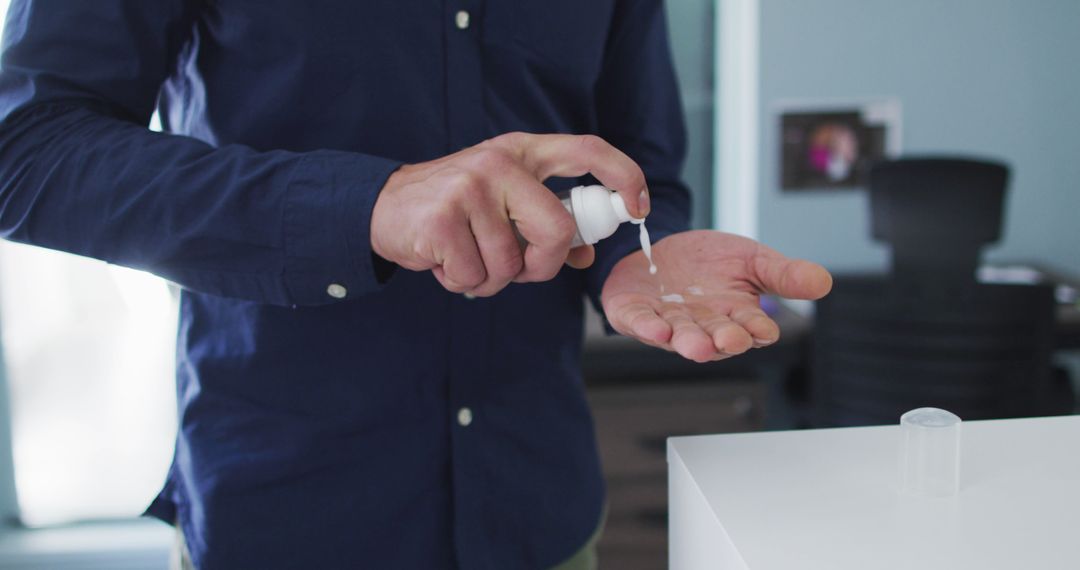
[581, 257]
[792, 278]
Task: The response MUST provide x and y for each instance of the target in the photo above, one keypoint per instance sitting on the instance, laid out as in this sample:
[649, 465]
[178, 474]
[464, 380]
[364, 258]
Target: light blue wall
[989, 77]
[690, 25]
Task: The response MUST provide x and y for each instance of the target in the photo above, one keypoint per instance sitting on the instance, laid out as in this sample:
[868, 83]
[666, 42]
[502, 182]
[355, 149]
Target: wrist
[382, 213]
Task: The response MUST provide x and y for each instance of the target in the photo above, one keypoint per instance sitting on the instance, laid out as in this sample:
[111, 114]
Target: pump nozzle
[619, 206]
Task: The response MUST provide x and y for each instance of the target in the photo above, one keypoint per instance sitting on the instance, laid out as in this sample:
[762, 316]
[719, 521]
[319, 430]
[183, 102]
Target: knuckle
[593, 143]
[463, 180]
[419, 252]
[472, 275]
[463, 185]
[513, 139]
[630, 177]
[506, 266]
[464, 276]
[491, 159]
[440, 224]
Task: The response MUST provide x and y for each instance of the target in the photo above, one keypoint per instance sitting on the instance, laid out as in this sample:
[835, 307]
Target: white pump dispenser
[597, 212]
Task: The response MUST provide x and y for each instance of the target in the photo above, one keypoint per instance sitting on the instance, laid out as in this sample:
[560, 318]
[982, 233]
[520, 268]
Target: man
[335, 176]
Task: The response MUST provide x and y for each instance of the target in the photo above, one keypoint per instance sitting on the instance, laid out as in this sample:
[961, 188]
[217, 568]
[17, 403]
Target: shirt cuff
[327, 227]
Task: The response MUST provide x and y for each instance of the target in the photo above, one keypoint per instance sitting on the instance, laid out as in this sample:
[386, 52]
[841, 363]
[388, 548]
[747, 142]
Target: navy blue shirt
[322, 397]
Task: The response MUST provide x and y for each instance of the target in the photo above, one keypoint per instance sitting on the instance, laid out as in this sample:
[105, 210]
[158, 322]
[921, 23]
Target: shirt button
[461, 19]
[337, 291]
[469, 296]
[464, 417]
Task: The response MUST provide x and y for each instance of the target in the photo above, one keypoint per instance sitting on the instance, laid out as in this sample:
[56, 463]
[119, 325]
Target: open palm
[703, 303]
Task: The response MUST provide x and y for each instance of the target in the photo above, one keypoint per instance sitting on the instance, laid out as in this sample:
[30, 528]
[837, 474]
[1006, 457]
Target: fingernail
[643, 203]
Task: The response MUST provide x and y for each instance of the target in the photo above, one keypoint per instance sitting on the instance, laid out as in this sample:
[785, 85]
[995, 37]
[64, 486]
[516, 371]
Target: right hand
[453, 215]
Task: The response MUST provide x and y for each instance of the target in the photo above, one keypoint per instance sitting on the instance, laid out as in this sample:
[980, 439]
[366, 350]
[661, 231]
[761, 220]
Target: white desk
[827, 500]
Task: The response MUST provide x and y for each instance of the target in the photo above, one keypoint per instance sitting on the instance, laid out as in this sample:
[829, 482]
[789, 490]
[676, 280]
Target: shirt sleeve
[81, 172]
[639, 112]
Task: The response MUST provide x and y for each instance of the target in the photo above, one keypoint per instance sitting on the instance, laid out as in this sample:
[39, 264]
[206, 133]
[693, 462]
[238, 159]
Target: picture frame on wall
[831, 146]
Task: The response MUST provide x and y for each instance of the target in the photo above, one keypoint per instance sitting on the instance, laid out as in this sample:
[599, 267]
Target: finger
[581, 257]
[687, 337]
[729, 337]
[640, 320]
[542, 221]
[527, 207]
[500, 251]
[575, 155]
[754, 320]
[791, 278]
[460, 268]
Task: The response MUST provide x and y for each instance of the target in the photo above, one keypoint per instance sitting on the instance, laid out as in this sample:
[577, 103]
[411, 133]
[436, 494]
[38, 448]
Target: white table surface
[828, 500]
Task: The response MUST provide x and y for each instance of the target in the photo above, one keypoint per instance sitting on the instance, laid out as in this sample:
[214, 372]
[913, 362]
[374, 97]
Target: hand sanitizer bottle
[597, 212]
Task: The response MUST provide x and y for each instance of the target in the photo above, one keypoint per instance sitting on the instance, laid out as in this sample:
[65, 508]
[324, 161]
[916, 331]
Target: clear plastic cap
[929, 453]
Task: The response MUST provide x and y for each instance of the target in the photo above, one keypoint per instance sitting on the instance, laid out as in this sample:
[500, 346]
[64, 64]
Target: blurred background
[789, 105]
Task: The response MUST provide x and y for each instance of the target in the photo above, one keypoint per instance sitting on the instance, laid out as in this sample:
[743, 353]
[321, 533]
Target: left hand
[720, 276]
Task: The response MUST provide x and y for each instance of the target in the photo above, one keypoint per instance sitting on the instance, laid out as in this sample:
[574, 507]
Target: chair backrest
[882, 348]
[937, 214]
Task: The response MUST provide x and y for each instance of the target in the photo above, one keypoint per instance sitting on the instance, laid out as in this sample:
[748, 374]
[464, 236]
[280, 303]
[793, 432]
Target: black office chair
[927, 334]
[937, 214]
[881, 351]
